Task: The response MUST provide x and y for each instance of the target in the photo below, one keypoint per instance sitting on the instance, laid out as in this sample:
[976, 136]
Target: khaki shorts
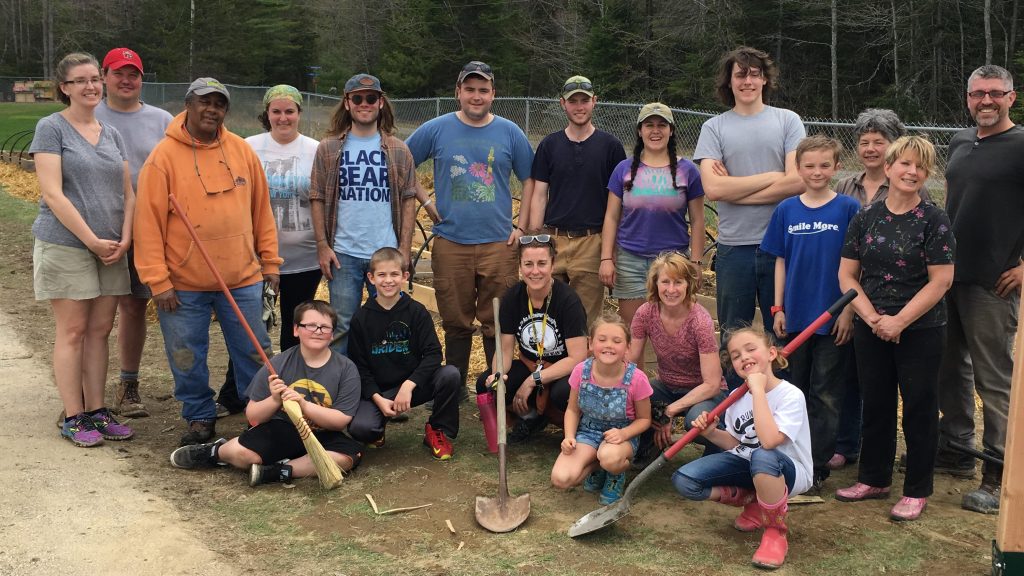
[60, 272]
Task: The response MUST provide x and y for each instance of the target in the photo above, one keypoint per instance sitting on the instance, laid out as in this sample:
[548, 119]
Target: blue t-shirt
[472, 167]
[811, 241]
[364, 199]
[653, 213]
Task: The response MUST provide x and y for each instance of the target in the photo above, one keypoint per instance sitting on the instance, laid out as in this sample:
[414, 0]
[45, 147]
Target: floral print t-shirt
[895, 251]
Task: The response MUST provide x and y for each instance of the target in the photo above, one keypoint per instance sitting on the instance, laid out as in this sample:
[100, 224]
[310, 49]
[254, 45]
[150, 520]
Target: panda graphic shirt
[789, 410]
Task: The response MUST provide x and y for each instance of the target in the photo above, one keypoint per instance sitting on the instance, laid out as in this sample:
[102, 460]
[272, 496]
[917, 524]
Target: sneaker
[80, 431]
[594, 481]
[525, 428]
[840, 461]
[908, 509]
[260, 474]
[984, 500]
[613, 488]
[196, 455]
[60, 420]
[440, 446]
[109, 427]
[199, 431]
[222, 411]
[860, 491]
[127, 402]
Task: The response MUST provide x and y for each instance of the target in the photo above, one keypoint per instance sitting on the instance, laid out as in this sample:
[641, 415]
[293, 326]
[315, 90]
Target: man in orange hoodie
[219, 183]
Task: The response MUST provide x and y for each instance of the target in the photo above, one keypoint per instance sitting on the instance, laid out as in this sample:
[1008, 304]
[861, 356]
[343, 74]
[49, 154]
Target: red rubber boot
[771, 553]
[748, 520]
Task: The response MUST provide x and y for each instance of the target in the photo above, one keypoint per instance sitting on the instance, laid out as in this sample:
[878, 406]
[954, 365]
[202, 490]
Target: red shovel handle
[739, 392]
[220, 280]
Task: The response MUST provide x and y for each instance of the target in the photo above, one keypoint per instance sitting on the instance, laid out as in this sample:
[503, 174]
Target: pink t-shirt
[639, 388]
[678, 354]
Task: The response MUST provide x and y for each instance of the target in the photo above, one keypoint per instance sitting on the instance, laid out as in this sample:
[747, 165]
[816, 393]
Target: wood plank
[1010, 528]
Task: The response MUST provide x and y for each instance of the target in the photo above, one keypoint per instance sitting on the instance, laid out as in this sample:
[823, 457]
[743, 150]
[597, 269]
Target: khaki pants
[467, 277]
[577, 265]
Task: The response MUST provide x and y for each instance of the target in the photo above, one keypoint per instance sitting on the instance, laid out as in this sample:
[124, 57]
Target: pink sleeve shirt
[678, 354]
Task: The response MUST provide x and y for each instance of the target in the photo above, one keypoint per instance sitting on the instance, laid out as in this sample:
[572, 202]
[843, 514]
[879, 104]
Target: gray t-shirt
[335, 385]
[92, 179]
[141, 131]
[748, 145]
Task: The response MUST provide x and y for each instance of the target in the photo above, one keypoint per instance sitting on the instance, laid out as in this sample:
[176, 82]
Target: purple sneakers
[110, 428]
[81, 431]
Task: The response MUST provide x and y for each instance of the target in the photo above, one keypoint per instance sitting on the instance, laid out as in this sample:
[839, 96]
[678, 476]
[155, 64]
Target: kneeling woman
[545, 319]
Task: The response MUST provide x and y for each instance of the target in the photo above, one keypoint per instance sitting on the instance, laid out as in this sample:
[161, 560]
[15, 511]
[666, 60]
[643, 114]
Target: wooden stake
[1010, 529]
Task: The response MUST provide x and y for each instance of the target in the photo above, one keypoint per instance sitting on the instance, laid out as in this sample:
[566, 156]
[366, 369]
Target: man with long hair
[361, 194]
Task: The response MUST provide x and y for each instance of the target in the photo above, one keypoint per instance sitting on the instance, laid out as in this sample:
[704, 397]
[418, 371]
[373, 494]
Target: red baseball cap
[121, 57]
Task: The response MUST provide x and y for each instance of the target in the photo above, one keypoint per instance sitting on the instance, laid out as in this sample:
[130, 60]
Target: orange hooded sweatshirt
[229, 206]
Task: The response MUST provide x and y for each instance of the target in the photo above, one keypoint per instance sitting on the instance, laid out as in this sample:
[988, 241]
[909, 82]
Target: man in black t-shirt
[570, 171]
[985, 203]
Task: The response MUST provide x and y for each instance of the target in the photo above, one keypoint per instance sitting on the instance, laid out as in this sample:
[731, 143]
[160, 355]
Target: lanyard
[543, 325]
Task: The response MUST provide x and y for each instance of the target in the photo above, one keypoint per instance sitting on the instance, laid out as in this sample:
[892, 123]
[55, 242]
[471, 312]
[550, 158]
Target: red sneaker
[440, 446]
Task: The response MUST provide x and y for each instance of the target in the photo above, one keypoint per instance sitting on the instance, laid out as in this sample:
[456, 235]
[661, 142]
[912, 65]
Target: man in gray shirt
[141, 127]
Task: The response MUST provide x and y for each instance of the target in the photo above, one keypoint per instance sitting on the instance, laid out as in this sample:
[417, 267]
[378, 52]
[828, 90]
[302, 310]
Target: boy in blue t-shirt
[806, 235]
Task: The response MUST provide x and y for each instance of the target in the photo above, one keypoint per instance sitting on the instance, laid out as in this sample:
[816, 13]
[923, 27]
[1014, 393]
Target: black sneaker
[196, 455]
[199, 432]
[260, 474]
[527, 427]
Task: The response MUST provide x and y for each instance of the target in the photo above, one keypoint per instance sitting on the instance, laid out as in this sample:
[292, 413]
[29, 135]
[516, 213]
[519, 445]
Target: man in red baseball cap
[141, 127]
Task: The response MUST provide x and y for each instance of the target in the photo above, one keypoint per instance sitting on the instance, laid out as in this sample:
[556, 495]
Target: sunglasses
[535, 239]
[371, 99]
[577, 86]
[477, 67]
[993, 94]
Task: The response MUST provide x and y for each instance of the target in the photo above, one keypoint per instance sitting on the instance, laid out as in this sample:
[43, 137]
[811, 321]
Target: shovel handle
[499, 362]
[739, 392]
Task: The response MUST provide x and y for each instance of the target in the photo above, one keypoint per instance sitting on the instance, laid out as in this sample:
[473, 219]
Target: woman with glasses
[545, 319]
[82, 232]
[650, 197]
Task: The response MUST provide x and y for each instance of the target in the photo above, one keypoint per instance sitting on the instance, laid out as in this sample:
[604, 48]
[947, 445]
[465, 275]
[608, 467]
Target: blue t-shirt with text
[364, 199]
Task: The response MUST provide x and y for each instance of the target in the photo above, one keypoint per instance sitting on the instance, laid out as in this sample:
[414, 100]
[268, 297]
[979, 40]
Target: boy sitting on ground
[393, 342]
[326, 386]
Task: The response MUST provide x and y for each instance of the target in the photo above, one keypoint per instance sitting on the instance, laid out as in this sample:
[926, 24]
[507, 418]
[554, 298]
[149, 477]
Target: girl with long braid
[650, 198]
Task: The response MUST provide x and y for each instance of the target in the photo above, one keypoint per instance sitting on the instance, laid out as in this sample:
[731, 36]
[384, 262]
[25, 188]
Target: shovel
[503, 513]
[604, 516]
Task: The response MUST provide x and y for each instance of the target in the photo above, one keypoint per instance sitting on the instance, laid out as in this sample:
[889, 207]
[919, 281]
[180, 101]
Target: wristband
[427, 203]
[776, 309]
[520, 230]
[603, 259]
[697, 262]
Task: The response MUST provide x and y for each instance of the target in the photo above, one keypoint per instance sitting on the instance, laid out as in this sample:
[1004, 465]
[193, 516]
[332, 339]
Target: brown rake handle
[739, 392]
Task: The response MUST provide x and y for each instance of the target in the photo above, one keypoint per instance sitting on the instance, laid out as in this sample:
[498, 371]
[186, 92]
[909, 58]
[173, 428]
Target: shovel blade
[502, 514]
[600, 518]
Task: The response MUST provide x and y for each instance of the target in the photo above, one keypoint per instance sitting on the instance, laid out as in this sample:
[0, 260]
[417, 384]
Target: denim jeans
[346, 289]
[695, 479]
[848, 431]
[186, 333]
[818, 369]
[745, 278]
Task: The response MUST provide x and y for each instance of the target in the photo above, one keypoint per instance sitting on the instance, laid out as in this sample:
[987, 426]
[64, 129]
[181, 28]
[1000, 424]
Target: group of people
[938, 290]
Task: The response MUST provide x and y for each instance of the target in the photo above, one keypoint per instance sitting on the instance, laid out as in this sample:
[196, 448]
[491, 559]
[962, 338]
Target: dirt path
[65, 509]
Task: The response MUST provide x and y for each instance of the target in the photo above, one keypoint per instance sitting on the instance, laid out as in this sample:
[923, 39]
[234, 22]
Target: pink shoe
[860, 491]
[908, 509]
[750, 519]
[836, 462]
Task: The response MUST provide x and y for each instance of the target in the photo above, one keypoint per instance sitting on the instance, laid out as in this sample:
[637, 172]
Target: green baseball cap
[656, 109]
[577, 84]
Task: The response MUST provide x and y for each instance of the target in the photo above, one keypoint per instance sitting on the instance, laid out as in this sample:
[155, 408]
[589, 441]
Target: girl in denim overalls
[609, 407]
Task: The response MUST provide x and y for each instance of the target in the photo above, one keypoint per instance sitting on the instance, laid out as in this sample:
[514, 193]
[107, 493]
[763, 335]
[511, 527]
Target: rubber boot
[748, 520]
[771, 553]
[489, 418]
[456, 353]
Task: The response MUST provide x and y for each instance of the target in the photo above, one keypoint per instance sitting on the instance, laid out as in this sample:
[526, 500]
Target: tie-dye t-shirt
[653, 213]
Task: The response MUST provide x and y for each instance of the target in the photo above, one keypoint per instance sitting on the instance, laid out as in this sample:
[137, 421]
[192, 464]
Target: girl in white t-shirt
[609, 407]
[767, 445]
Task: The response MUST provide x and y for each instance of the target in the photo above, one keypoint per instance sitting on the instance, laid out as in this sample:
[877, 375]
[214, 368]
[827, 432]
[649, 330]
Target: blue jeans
[186, 333]
[746, 281]
[695, 479]
[848, 431]
[346, 289]
[819, 369]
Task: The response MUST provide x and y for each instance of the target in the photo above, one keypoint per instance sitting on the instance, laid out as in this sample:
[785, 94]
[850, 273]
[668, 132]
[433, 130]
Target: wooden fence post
[1008, 547]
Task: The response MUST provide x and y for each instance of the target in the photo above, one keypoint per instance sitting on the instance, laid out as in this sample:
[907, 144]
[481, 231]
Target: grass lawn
[19, 116]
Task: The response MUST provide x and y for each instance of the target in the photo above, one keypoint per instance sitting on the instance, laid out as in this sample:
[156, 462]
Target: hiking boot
[594, 481]
[197, 455]
[984, 500]
[127, 402]
[110, 428]
[771, 553]
[199, 431]
[908, 509]
[440, 446]
[614, 485]
[527, 427]
[860, 491]
[81, 431]
[260, 474]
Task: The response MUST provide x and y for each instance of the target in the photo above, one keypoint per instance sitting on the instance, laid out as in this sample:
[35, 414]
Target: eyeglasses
[475, 66]
[993, 94]
[84, 81]
[371, 99]
[224, 161]
[748, 73]
[535, 239]
[577, 86]
[316, 328]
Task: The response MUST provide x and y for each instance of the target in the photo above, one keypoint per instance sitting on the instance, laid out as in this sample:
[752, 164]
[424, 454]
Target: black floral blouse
[895, 251]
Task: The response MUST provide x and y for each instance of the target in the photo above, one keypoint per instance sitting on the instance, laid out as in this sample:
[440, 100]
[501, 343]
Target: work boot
[199, 432]
[771, 553]
[985, 499]
[127, 402]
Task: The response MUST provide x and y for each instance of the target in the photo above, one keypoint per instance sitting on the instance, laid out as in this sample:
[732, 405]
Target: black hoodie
[392, 346]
